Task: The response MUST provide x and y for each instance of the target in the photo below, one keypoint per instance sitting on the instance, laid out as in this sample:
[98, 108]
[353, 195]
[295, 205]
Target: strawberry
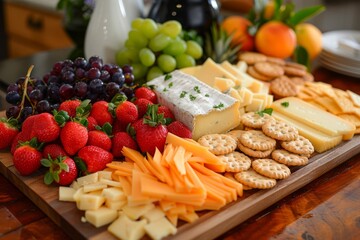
[95, 158]
[120, 140]
[142, 104]
[179, 129]
[73, 136]
[100, 111]
[118, 127]
[91, 123]
[101, 137]
[27, 157]
[151, 132]
[8, 131]
[45, 128]
[147, 93]
[168, 115]
[20, 137]
[26, 127]
[126, 112]
[53, 150]
[62, 170]
[70, 106]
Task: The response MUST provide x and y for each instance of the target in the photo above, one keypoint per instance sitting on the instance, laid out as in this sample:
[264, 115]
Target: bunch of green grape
[154, 49]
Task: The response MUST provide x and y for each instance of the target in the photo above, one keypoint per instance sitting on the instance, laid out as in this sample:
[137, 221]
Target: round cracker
[296, 65]
[235, 161]
[235, 133]
[218, 144]
[254, 153]
[257, 140]
[283, 87]
[254, 180]
[255, 74]
[269, 69]
[270, 168]
[300, 145]
[254, 120]
[252, 57]
[280, 130]
[275, 60]
[288, 158]
[292, 71]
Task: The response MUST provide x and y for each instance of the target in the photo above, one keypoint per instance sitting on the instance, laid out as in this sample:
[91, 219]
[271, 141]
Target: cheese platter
[210, 224]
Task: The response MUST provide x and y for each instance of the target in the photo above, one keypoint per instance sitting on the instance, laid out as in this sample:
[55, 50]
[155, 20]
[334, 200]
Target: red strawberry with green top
[95, 158]
[118, 126]
[73, 136]
[168, 115]
[62, 170]
[45, 128]
[120, 140]
[27, 157]
[142, 104]
[100, 111]
[147, 93]
[151, 132]
[53, 150]
[8, 131]
[127, 112]
[179, 129]
[26, 127]
[92, 123]
[70, 106]
[101, 137]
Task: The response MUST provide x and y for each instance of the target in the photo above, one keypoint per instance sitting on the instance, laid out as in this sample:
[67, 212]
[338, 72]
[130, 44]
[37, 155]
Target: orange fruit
[309, 37]
[275, 39]
[238, 26]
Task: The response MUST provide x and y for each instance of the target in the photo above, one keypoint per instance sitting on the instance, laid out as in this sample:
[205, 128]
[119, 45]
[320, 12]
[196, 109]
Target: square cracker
[354, 97]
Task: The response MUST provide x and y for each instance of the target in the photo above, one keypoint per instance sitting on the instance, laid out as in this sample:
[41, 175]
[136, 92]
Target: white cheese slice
[200, 107]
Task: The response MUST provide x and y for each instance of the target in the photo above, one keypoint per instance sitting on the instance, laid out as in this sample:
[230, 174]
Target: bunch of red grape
[80, 79]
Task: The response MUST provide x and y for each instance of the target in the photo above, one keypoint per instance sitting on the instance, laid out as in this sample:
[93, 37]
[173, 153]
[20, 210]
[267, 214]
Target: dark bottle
[192, 14]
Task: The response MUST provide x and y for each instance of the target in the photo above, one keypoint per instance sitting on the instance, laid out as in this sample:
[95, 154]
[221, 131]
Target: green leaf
[48, 178]
[265, 111]
[285, 104]
[277, 8]
[64, 166]
[286, 12]
[45, 162]
[80, 164]
[56, 177]
[107, 128]
[301, 56]
[304, 14]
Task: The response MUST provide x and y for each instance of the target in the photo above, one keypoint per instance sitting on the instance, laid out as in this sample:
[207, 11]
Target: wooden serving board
[210, 225]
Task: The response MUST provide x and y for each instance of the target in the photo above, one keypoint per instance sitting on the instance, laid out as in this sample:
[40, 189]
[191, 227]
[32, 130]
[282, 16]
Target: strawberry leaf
[48, 178]
[55, 176]
[83, 110]
[107, 128]
[80, 165]
[61, 117]
[46, 162]
[64, 166]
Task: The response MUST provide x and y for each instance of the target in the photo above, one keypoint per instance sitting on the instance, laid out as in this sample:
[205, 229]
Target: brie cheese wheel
[203, 109]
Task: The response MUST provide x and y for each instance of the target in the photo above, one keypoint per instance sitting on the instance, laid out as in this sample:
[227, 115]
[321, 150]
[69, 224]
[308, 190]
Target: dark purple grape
[13, 97]
[38, 82]
[112, 89]
[79, 73]
[29, 88]
[54, 106]
[80, 62]
[68, 63]
[12, 87]
[20, 81]
[54, 80]
[96, 64]
[43, 106]
[66, 92]
[68, 77]
[95, 59]
[46, 78]
[127, 69]
[92, 96]
[96, 86]
[129, 93]
[129, 78]
[115, 69]
[93, 73]
[57, 67]
[105, 76]
[107, 67]
[43, 89]
[36, 95]
[66, 69]
[118, 78]
[53, 92]
[80, 89]
[26, 112]
[12, 111]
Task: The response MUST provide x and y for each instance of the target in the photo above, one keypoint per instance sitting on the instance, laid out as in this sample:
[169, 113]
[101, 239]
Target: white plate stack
[341, 52]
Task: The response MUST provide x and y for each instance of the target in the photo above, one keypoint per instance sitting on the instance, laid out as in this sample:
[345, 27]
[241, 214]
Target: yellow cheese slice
[321, 141]
[314, 117]
[223, 84]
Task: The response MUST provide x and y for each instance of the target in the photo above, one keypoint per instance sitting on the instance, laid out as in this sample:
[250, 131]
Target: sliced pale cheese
[314, 117]
[94, 187]
[105, 175]
[113, 194]
[125, 228]
[235, 94]
[91, 178]
[223, 84]
[201, 108]
[101, 216]
[135, 212]
[110, 182]
[233, 70]
[321, 141]
[255, 105]
[246, 95]
[116, 205]
[154, 214]
[90, 202]
[191, 70]
[241, 66]
[66, 194]
[160, 228]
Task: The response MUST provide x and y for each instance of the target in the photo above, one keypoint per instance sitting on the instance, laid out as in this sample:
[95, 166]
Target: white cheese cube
[91, 178]
[116, 205]
[110, 182]
[94, 187]
[160, 228]
[90, 202]
[127, 229]
[66, 194]
[135, 212]
[154, 214]
[113, 194]
[79, 192]
[101, 216]
[105, 175]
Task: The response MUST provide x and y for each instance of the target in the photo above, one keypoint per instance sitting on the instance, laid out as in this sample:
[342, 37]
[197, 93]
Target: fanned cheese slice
[200, 107]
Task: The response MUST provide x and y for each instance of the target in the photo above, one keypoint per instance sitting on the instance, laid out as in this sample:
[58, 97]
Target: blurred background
[23, 30]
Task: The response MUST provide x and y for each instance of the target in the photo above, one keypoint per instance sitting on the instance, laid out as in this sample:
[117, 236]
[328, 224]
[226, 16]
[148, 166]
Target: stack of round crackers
[284, 76]
[262, 154]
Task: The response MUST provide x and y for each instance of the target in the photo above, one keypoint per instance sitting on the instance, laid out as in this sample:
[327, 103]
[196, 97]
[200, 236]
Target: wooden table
[327, 208]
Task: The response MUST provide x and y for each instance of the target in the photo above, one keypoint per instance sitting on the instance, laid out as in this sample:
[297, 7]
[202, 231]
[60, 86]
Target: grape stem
[27, 78]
